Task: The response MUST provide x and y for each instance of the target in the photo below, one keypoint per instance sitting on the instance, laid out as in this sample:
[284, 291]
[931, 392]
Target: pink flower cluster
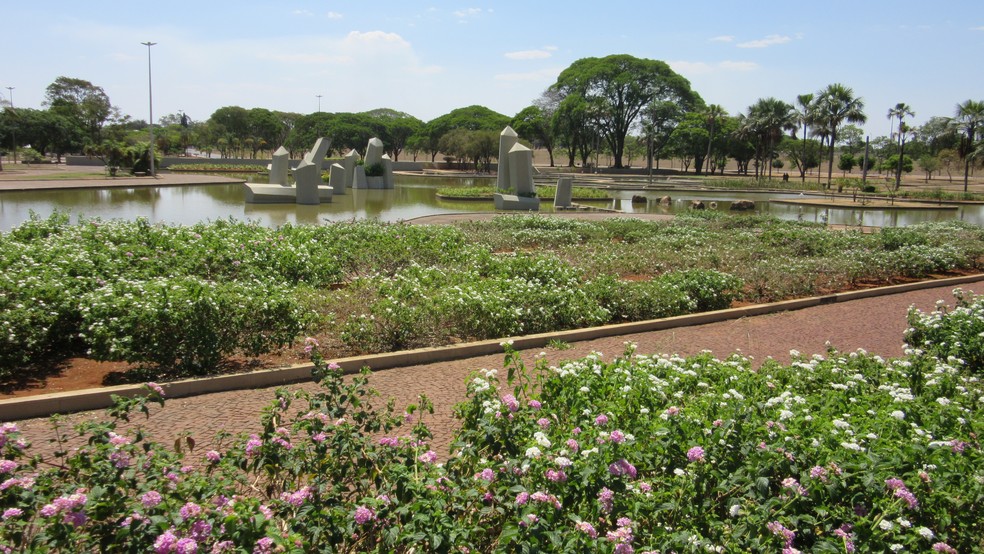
[363, 515]
[780, 530]
[945, 548]
[70, 506]
[511, 403]
[793, 485]
[606, 498]
[622, 467]
[844, 532]
[587, 529]
[486, 475]
[900, 491]
[622, 537]
[695, 454]
[298, 497]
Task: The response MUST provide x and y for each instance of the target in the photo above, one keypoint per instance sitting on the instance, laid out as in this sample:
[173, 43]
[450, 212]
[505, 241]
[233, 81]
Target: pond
[414, 196]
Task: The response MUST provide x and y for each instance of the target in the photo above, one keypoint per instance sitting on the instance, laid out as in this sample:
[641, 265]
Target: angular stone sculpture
[317, 154]
[359, 180]
[336, 178]
[507, 139]
[278, 169]
[565, 190]
[349, 162]
[516, 176]
[307, 179]
[374, 151]
[387, 172]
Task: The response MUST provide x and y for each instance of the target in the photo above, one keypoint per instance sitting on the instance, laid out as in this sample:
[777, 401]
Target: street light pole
[13, 130]
[319, 102]
[150, 95]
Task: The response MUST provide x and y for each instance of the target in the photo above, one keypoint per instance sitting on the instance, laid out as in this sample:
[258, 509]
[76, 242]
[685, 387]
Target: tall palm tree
[711, 115]
[900, 111]
[805, 116]
[835, 105]
[969, 120]
[771, 117]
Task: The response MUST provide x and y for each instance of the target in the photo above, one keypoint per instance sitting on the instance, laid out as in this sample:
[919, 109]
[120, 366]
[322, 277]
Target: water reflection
[412, 197]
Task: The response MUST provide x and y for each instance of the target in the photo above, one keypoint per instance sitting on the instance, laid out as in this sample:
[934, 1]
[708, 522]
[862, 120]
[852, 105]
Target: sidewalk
[875, 324]
[47, 177]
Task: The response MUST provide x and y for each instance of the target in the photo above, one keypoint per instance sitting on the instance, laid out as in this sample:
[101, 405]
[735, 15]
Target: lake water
[413, 196]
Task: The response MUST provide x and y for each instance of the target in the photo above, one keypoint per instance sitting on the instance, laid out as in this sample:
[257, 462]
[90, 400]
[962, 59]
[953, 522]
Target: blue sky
[429, 58]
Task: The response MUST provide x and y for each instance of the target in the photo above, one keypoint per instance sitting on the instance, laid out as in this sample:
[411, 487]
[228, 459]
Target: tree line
[625, 107]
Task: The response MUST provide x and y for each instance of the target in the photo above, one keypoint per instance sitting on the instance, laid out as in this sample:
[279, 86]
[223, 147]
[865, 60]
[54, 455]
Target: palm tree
[835, 105]
[900, 111]
[804, 115]
[712, 114]
[969, 120]
[771, 117]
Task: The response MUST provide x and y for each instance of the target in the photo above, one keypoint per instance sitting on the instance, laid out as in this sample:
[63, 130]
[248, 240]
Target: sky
[428, 58]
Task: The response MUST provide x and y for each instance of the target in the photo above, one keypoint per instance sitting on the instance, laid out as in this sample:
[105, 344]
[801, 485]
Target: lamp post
[13, 130]
[150, 95]
[319, 102]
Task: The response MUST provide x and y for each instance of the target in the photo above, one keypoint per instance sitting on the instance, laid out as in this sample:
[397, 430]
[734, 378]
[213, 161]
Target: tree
[835, 105]
[689, 140]
[769, 117]
[805, 114]
[929, 164]
[712, 114]
[659, 120]
[397, 127]
[938, 134]
[803, 153]
[471, 118]
[265, 128]
[900, 111]
[533, 123]
[574, 130]
[846, 163]
[948, 160]
[617, 88]
[82, 102]
[969, 121]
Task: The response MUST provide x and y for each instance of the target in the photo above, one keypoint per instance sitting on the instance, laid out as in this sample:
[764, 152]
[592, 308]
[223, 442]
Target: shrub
[186, 326]
[955, 335]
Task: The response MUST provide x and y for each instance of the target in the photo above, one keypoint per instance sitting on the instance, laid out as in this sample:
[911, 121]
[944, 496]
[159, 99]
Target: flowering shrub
[378, 287]
[955, 335]
[836, 453]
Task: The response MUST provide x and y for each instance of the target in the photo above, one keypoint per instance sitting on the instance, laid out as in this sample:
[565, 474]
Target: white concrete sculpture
[317, 154]
[514, 182]
[278, 169]
[374, 151]
[308, 187]
[565, 190]
[507, 139]
[349, 161]
[336, 178]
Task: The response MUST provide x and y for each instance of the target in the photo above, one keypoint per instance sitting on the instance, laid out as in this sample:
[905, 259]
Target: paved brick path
[875, 324]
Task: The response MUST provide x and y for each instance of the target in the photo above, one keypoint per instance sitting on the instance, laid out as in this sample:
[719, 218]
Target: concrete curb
[94, 399]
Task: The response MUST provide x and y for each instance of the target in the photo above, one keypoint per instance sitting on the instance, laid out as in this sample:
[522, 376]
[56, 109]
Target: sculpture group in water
[374, 172]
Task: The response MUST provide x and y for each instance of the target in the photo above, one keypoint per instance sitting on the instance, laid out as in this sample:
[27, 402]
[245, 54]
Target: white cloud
[723, 38]
[333, 15]
[529, 54]
[770, 40]
[468, 13]
[981, 28]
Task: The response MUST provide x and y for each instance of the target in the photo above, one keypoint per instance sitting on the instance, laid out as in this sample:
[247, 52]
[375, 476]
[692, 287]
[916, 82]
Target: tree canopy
[81, 101]
[617, 88]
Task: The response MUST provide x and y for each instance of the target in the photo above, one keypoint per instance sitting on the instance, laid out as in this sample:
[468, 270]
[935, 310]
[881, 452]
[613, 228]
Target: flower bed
[643, 453]
[178, 300]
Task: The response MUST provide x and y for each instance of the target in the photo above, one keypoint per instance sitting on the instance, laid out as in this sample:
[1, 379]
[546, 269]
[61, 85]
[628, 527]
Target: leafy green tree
[617, 88]
[846, 163]
[929, 164]
[689, 140]
[307, 129]
[533, 123]
[938, 134]
[397, 128]
[835, 105]
[265, 128]
[573, 127]
[470, 118]
[968, 120]
[948, 160]
[81, 102]
[659, 120]
[805, 115]
[803, 153]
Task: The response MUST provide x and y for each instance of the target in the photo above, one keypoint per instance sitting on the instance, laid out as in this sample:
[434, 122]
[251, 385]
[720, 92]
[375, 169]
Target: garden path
[874, 324]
